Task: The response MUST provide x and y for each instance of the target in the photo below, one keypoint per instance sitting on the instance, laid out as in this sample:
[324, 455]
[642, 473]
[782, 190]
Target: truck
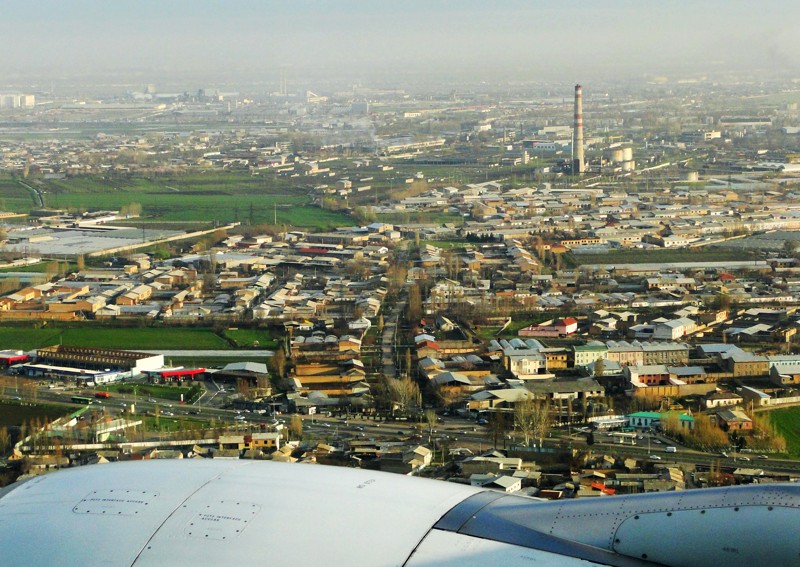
[670, 450]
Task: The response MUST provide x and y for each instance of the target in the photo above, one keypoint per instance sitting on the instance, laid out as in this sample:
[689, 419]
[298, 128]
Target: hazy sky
[525, 39]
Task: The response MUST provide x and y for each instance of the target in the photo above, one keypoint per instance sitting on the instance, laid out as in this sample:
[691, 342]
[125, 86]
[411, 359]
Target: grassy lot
[213, 196]
[13, 412]
[14, 197]
[637, 256]
[787, 422]
[29, 338]
[487, 332]
[172, 424]
[516, 325]
[39, 268]
[444, 244]
[247, 338]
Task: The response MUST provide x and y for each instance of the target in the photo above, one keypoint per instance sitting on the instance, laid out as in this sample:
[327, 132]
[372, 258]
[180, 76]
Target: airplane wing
[243, 513]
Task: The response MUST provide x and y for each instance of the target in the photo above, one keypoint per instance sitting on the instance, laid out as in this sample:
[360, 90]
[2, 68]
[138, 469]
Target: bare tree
[430, 421]
[278, 363]
[404, 393]
[498, 426]
[533, 418]
[5, 439]
[414, 312]
[599, 367]
[296, 427]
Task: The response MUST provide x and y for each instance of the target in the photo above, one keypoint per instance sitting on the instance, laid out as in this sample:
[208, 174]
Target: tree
[404, 392]
[278, 363]
[243, 387]
[533, 418]
[430, 421]
[599, 367]
[296, 427]
[414, 312]
[498, 426]
[380, 324]
[5, 440]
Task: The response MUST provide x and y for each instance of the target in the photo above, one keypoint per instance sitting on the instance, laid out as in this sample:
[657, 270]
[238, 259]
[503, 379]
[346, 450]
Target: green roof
[590, 347]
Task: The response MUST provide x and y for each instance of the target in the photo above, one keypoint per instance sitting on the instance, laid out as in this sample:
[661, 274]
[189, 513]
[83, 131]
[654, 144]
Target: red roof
[15, 358]
[569, 321]
[182, 372]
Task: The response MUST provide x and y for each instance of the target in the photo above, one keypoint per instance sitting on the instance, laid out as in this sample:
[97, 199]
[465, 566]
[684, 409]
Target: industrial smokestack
[578, 165]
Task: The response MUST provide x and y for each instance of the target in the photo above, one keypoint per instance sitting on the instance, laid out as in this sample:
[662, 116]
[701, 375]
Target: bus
[81, 400]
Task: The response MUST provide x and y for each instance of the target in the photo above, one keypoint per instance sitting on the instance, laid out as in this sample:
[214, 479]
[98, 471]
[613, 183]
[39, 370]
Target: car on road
[359, 428]
[324, 424]
[723, 454]
[744, 459]
[167, 413]
[655, 457]
[657, 441]
[239, 418]
[763, 457]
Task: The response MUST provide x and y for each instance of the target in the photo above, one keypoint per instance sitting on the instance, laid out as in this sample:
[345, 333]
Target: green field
[444, 244]
[14, 197]
[487, 332]
[14, 413]
[787, 422]
[639, 256]
[172, 424]
[195, 197]
[29, 338]
[41, 268]
[251, 338]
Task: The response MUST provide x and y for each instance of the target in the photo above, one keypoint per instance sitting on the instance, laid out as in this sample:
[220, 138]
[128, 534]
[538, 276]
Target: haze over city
[247, 41]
